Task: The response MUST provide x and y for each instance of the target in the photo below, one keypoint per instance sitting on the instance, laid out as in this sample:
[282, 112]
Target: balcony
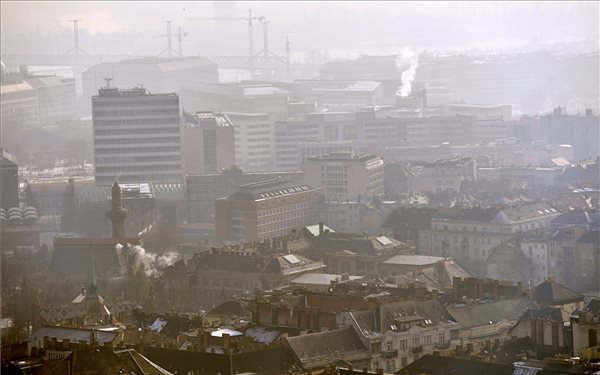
[389, 354]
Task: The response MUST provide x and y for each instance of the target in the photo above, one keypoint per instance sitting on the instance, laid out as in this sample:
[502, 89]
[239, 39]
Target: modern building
[153, 73]
[20, 111]
[346, 176]
[245, 97]
[207, 143]
[254, 140]
[265, 210]
[136, 136]
[56, 98]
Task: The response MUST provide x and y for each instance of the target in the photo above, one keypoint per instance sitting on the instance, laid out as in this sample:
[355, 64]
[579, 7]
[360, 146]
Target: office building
[346, 176]
[265, 210]
[136, 136]
[207, 143]
[254, 140]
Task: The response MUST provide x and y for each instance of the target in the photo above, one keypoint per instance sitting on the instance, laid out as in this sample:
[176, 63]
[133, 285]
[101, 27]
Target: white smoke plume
[407, 62]
[135, 257]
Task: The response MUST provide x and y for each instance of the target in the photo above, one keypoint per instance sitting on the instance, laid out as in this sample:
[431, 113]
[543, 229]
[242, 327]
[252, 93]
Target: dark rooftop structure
[436, 365]
[551, 293]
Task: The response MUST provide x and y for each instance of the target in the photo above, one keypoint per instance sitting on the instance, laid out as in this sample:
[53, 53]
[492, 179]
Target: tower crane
[250, 19]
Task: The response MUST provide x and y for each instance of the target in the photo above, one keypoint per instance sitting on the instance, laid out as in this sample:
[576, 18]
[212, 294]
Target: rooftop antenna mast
[169, 36]
[107, 80]
[76, 49]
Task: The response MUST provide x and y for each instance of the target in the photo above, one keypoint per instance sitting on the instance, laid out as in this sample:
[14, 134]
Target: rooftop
[413, 260]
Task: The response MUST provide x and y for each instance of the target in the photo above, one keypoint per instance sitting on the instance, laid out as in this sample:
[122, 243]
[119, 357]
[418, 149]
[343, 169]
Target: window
[404, 362]
[390, 346]
[441, 338]
[428, 340]
[403, 344]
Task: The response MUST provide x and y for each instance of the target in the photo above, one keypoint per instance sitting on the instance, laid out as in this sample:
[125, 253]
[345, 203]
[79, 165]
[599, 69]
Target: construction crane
[76, 47]
[250, 19]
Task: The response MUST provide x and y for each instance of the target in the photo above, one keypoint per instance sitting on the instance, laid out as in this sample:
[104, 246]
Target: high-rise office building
[136, 136]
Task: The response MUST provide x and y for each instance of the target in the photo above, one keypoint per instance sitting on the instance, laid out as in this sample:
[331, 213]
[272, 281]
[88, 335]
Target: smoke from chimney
[407, 62]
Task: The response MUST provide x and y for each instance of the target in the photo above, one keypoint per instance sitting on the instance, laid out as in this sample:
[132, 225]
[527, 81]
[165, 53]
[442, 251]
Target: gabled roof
[482, 314]
[550, 293]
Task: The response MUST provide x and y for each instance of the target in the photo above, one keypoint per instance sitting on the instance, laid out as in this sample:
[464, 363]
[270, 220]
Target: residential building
[207, 143]
[254, 140]
[213, 277]
[587, 262]
[321, 282]
[399, 333]
[20, 110]
[156, 74]
[346, 176]
[535, 249]
[468, 234]
[265, 210]
[320, 349]
[354, 254]
[137, 136]
[485, 324]
[204, 189]
[562, 248]
[442, 175]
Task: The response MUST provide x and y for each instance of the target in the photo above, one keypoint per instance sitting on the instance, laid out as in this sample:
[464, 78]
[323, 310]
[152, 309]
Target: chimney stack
[321, 226]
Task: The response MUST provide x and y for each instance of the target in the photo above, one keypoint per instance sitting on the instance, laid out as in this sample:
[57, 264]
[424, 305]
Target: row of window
[137, 103]
[138, 159]
[137, 112]
[123, 141]
[137, 168]
[134, 150]
[137, 131]
[138, 121]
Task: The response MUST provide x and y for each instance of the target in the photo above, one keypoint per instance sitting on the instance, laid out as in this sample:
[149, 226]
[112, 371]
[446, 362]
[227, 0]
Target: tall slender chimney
[117, 213]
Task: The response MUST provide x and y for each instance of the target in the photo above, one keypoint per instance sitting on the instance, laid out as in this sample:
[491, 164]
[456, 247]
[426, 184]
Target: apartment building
[136, 136]
[468, 234]
[346, 176]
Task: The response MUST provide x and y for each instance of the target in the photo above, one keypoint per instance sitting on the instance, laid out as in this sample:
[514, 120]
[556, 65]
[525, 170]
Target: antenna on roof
[108, 80]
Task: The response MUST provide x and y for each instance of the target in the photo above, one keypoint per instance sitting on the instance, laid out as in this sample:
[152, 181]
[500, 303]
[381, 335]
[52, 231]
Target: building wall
[346, 177]
[57, 101]
[254, 140]
[136, 137]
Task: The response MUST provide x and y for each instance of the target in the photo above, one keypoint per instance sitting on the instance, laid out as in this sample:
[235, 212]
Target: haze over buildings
[300, 188]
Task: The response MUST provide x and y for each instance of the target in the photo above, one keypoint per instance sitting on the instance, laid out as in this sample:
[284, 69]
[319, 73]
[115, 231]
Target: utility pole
[287, 57]
[180, 40]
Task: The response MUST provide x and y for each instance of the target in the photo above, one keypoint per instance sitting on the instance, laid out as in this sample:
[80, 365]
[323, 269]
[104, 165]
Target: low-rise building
[216, 276]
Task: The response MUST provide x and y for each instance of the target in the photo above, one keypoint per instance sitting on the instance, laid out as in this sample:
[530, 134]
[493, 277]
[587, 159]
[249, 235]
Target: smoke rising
[407, 62]
[135, 257]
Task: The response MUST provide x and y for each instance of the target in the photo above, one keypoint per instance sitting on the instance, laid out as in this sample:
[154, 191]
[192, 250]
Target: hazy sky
[337, 24]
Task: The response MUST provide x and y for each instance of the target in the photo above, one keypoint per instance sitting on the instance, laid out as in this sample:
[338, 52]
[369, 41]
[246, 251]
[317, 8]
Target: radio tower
[76, 49]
